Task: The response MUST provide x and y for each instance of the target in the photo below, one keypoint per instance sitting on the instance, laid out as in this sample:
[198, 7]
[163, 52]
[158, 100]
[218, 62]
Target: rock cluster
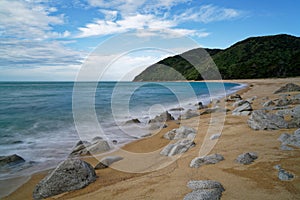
[246, 158]
[204, 190]
[290, 87]
[206, 160]
[181, 133]
[71, 174]
[178, 147]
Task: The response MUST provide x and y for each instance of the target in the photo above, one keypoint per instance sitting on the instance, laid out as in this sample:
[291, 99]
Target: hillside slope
[255, 57]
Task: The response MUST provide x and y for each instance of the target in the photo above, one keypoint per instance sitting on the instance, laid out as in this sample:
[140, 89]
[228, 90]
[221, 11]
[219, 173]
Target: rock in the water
[242, 108]
[246, 158]
[72, 174]
[180, 133]
[206, 160]
[133, 121]
[290, 87]
[107, 161]
[180, 146]
[204, 190]
[11, 160]
[166, 116]
[188, 114]
[215, 136]
[261, 120]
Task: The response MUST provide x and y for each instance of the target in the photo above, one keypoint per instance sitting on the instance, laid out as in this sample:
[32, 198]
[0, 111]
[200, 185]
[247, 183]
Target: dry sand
[255, 181]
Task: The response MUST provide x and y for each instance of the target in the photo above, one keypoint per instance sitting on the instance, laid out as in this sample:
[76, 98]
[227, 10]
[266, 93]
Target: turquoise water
[37, 122]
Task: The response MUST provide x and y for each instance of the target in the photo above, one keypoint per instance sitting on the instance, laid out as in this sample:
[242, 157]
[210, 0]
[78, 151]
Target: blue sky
[44, 40]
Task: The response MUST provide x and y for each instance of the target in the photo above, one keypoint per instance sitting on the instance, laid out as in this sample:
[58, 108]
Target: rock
[201, 106]
[214, 110]
[283, 101]
[290, 139]
[284, 175]
[261, 120]
[206, 160]
[166, 116]
[107, 161]
[133, 121]
[297, 132]
[246, 158]
[156, 125]
[11, 160]
[180, 146]
[250, 100]
[98, 147]
[269, 103]
[234, 97]
[215, 136]
[180, 133]
[96, 139]
[71, 174]
[188, 114]
[286, 148]
[278, 167]
[204, 190]
[290, 87]
[242, 108]
[177, 109]
[296, 112]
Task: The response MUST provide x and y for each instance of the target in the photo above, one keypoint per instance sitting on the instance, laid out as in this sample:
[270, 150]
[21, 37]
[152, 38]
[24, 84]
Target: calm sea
[37, 118]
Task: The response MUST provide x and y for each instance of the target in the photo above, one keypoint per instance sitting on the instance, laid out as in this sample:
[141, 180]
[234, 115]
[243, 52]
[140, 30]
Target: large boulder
[71, 174]
[206, 160]
[189, 114]
[180, 133]
[290, 87]
[242, 107]
[204, 190]
[246, 158]
[11, 160]
[262, 120]
[107, 161]
[180, 146]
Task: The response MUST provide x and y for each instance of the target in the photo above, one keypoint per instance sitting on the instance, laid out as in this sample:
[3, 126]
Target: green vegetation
[256, 57]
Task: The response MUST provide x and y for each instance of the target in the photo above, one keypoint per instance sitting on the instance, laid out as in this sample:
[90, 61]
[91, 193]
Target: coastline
[254, 181]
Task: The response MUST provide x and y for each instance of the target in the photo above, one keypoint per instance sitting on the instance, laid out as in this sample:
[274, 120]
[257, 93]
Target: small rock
[180, 146]
[180, 133]
[278, 167]
[234, 97]
[201, 106]
[11, 160]
[206, 160]
[71, 174]
[107, 161]
[246, 158]
[215, 136]
[290, 87]
[284, 175]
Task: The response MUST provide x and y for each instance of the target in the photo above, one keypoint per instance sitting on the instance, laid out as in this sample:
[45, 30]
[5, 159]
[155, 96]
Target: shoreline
[179, 171]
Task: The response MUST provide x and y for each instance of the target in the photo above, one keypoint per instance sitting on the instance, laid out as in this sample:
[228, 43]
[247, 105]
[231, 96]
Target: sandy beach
[166, 178]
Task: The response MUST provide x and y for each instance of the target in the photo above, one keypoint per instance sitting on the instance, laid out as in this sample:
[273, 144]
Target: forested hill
[255, 57]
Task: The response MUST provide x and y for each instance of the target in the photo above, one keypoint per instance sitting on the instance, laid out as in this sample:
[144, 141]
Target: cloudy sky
[43, 40]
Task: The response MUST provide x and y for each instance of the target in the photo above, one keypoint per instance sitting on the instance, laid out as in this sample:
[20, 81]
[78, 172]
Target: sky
[51, 40]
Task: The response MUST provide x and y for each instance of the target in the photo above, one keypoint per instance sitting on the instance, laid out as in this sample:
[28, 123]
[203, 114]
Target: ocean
[42, 121]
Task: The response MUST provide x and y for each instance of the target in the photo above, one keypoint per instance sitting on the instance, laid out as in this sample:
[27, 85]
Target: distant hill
[255, 57]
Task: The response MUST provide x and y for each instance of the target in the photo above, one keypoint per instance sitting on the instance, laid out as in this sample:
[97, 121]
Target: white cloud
[207, 14]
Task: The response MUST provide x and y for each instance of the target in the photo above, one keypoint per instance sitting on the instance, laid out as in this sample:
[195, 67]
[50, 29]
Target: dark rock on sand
[262, 120]
[204, 190]
[246, 158]
[206, 160]
[11, 160]
[180, 146]
[107, 161]
[290, 87]
[71, 174]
